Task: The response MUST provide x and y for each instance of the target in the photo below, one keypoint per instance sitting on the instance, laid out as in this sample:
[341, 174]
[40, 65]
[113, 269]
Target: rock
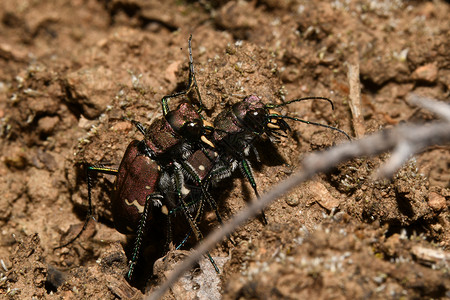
[123, 126]
[428, 256]
[322, 196]
[47, 124]
[292, 200]
[436, 201]
[90, 88]
[170, 72]
[40, 186]
[427, 73]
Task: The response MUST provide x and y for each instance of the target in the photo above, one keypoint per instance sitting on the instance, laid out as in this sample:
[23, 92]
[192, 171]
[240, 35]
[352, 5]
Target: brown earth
[71, 71]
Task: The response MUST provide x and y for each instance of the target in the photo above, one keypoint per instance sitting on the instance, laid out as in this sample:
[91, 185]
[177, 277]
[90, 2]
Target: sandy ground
[71, 71]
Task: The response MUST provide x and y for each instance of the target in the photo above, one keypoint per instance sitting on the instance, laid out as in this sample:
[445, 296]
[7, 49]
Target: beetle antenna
[192, 82]
[316, 124]
[301, 99]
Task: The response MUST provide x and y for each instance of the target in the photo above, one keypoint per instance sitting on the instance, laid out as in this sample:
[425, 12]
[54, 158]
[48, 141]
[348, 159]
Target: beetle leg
[247, 171]
[184, 240]
[204, 188]
[168, 233]
[140, 233]
[192, 222]
[211, 202]
[192, 83]
[139, 126]
[90, 215]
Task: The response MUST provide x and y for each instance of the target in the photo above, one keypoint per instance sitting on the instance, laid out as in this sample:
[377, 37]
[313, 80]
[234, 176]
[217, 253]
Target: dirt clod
[436, 201]
[427, 73]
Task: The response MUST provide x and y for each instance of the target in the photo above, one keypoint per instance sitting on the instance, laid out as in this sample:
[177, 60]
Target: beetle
[159, 191]
[173, 147]
[236, 128]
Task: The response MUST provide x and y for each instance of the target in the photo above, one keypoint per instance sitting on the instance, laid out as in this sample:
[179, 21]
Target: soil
[74, 72]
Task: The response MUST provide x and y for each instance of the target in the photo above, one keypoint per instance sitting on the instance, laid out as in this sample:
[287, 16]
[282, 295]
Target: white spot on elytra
[184, 190]
[201, 168]
[247, 151]
[136, 204]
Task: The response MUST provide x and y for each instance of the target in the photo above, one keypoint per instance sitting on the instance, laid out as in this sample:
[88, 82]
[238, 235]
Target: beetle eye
[192, 129]
[255, 119]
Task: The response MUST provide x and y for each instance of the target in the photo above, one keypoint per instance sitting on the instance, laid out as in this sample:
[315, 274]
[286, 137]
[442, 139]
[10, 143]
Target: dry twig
[411, 137]
[404, 150]
[355, 97]
[441, 109]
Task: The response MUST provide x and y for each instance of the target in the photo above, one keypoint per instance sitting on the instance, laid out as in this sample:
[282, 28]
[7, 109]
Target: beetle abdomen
[136, 180]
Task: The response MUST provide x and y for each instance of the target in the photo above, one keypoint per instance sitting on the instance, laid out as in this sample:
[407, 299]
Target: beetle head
[188, 123]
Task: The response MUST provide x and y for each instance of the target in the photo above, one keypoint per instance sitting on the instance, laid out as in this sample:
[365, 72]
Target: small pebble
[292, 200]
[321, 195]
[170, 73]
[47, 124]
[122, 126]
[436, 201]
[16, 158]
[428, 73]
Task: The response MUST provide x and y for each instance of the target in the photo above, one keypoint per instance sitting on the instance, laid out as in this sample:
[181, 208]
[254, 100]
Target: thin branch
[404, 150]
[418, 136]
[401, 154]
[442, 109]
[355, 97]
